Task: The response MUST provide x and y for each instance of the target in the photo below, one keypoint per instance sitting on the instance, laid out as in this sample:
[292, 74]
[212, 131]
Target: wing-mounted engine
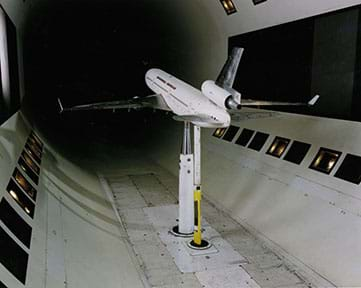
[220, 96]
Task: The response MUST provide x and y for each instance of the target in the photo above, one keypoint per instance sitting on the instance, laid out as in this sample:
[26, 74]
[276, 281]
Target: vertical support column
[186, 186]
[198, 242]
[197, 155]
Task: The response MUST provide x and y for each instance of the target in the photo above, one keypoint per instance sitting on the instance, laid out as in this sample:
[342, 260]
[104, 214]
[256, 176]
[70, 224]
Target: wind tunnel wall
[312, 217]
[306, 214]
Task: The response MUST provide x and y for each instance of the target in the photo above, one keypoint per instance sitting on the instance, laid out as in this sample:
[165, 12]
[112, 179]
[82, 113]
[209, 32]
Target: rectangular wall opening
[9, 70]
[231, 132]
[34, 141]
[297, 152]
[31, 174]
[325, 160]
[31, 163]
[228, 6]
[35, 156]
[278, 147]
[36, 138]
[15, 223]
[20, 198]
[350, 169]
[245, 136]
[219, 132]
[34, 148]
[24, 184]
[13, 257]
[258, 141]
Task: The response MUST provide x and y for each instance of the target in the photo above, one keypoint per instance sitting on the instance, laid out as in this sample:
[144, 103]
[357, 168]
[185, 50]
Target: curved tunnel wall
[297, 223]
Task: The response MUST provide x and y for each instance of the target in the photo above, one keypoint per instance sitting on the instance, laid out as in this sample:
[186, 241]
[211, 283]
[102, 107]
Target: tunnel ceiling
[84, 51]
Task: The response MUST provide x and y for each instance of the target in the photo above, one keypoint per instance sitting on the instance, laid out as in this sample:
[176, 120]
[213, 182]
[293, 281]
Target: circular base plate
[204, 245]
[175, 232]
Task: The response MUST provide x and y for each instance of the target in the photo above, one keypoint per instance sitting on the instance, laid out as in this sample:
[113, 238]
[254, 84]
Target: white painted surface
[226, 278]
[186, 190]
[222, 256]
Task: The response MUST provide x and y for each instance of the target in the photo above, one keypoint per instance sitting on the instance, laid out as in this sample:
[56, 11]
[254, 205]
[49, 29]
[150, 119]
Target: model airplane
[209, 107]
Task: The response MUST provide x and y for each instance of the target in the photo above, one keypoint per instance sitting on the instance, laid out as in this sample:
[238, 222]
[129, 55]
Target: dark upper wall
[294, 61]
[334, 59]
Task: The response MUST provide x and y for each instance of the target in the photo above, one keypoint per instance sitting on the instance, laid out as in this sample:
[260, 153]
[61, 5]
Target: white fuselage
[185, 100]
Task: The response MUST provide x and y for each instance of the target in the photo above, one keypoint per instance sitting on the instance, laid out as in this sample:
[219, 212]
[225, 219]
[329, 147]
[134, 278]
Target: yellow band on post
[197, 201]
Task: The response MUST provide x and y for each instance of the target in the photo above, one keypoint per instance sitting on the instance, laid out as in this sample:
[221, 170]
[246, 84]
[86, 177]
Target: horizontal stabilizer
[313, 100]
[61, 108]
[250, 102]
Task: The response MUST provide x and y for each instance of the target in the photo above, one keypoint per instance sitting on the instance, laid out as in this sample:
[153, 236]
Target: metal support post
[198, 242]
[185, 227]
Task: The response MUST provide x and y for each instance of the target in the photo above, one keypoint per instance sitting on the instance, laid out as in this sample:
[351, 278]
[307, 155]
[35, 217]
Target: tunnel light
[325, 160]
[29, 171]
[228, 6]
[13, 194]
[24, 184]
[278, 147]
[30, 162]
[219, 132]
[21, 198]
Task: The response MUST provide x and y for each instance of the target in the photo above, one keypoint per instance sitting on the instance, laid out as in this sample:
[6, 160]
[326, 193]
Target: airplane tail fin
[228, 73]
[229, 70]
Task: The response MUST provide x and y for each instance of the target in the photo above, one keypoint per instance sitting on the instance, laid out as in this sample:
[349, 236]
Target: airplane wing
[155, 101]
[250, 102]
[229, 70]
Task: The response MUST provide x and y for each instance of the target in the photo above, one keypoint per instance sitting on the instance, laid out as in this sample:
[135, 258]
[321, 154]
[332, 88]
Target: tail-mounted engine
[220, 96]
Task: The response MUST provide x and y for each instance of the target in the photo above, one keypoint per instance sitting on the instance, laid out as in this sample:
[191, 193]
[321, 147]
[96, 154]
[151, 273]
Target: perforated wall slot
[219, 132]
[228, 6]
[297, 152]
[245, 136]
[278, 147]
[35, 156]
[15, 223]
[13, 257]
[34, 148]
[231, 132]
[258, 141]
[24, 184]
[31, 163]
[325, 160]
[25, 167]
[20, 198]
[350, 169]
[35, 140]
[36, 137]
[32, 142]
